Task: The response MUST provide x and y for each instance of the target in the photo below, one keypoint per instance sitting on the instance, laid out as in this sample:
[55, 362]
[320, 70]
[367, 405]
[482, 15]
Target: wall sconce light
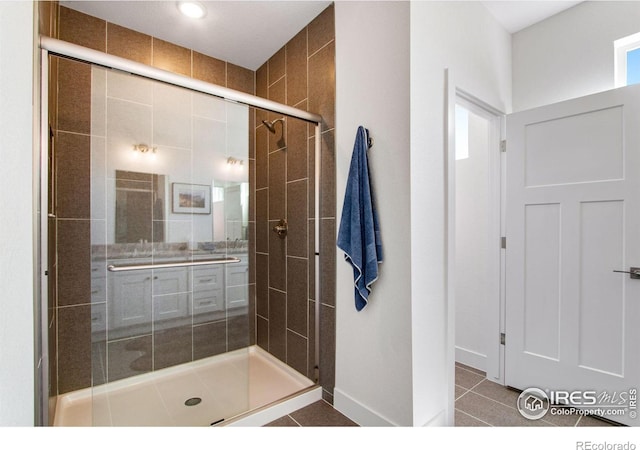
[144, 148]
[233, 161]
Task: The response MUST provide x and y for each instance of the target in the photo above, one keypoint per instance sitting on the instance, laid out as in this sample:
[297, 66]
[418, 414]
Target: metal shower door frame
[51, 46]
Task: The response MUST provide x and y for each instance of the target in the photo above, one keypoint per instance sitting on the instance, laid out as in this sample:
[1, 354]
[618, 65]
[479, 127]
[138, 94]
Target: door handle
[634, 272]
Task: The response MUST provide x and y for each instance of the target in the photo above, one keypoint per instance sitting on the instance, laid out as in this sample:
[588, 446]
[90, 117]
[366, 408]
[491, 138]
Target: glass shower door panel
[167, 347]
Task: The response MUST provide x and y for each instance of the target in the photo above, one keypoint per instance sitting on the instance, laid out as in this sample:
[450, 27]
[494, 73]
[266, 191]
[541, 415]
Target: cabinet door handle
[206, 281]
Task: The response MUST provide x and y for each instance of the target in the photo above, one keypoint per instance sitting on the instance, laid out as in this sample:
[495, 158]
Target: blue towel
[359, 233]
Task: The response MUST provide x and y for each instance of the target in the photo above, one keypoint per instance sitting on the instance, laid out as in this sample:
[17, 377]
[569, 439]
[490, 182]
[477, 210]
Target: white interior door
[573, 217]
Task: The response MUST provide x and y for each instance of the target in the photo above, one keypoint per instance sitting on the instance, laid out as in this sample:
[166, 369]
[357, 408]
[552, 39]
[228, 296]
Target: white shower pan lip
[157, 398]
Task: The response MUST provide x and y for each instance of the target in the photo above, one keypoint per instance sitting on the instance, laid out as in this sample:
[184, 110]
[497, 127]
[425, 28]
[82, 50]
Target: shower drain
[193, 401]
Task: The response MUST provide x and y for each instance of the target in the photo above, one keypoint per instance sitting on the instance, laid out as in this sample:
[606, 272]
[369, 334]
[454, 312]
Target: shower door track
[51, 46]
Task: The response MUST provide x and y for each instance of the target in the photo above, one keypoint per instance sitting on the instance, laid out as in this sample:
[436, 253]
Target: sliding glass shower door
[169, 253]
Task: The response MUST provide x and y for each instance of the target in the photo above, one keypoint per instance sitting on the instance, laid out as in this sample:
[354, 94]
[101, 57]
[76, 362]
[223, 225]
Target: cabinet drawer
[208, 301]
[207, 278]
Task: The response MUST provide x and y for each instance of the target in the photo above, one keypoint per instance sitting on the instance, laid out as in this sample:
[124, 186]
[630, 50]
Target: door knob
[634, 272]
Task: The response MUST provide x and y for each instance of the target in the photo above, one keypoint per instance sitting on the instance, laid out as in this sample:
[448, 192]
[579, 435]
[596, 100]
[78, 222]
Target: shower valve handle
[281, 229]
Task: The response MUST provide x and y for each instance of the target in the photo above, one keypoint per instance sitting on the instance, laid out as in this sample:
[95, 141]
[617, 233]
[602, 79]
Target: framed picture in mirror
[191, 198]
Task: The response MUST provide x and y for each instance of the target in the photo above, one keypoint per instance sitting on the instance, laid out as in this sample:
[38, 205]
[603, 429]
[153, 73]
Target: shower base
[227, 386]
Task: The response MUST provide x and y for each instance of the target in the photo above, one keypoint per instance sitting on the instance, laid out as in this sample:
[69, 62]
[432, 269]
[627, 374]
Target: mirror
[140, 206]
[169, 165]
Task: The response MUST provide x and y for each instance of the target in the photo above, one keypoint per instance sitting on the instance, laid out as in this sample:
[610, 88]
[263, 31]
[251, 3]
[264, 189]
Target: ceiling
[248, 32]
[517, 15]
[245, 33]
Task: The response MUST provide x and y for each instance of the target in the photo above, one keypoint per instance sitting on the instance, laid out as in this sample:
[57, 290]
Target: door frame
[497, 171]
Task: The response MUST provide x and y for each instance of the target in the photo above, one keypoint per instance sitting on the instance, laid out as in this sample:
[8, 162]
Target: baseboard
[439, 420]
[471, 358]
[358, 412]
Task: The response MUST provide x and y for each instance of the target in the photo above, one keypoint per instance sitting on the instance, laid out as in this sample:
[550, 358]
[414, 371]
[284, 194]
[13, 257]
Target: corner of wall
[372, 90]
[358, 412]
[17, 271]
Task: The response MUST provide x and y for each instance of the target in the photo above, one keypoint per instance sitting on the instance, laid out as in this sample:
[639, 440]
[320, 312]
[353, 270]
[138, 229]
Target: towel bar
[206, 262]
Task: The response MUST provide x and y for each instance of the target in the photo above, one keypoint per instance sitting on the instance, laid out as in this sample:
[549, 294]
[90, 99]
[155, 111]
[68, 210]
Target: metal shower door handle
[634, 272]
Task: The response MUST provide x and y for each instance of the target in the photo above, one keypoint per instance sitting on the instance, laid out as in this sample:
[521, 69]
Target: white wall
[391, 365]
[465, 38]
[391, 356]
[472, 247]
[373, 346]
[16, 225]
[571, 54]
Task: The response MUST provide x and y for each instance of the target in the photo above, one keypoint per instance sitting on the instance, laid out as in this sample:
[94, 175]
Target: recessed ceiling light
[194, 10]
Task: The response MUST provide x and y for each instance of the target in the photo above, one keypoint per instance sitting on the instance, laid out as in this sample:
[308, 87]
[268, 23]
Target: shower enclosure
[167, 267]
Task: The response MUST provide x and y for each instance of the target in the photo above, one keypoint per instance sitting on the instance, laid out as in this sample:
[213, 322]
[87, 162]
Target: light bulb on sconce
[144, 149]
[233, 161]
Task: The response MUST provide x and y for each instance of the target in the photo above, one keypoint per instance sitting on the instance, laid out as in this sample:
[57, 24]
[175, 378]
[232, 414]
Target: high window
[627, 60]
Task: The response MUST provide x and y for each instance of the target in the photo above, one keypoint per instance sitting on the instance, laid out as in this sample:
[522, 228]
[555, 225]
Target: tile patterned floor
[318, 414]
[479, 403]
[483, 403]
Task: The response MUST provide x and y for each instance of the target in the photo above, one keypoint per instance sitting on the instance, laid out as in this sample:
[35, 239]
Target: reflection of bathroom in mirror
[142, 202]
[140, 205]
[150, 137]
[231, 211]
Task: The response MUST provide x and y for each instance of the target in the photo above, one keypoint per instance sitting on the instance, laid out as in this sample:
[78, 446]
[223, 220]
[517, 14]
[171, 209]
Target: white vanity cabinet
[130, 298]
[98, 296]
[98, 282]
[170, 293]
[138, 297]
[237, 283]
[208, 289]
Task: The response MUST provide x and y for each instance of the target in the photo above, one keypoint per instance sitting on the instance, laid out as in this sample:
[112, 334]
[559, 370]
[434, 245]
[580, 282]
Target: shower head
[271, 124]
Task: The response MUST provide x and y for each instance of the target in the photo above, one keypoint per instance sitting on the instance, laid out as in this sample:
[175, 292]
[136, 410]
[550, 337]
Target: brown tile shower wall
[301, 74]
[71, 125]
